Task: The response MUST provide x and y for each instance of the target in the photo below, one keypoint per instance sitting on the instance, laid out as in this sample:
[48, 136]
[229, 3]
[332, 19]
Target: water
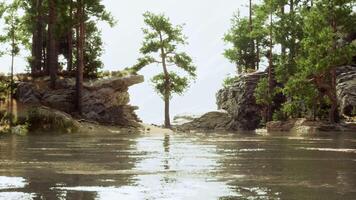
[179, 166]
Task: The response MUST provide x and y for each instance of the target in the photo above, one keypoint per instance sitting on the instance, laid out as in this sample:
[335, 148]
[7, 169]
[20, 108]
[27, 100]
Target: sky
[206, 22]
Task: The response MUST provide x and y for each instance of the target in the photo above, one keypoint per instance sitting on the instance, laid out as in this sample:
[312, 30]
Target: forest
[280, 76]
[299, 43]
[302, 44]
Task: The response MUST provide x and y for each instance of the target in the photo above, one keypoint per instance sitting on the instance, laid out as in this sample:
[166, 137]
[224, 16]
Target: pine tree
[14, 36]
[160, 46]
[324, 26]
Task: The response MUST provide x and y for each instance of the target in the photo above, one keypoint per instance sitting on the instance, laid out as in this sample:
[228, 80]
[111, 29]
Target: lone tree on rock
[161, 39]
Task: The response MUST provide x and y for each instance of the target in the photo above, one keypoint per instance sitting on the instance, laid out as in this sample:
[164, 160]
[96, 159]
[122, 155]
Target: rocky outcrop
[211, 121]
[239, 101]
[304, 126]
[105, 101]
[346, 90]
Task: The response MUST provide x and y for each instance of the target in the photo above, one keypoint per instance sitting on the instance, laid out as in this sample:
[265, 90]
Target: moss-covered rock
[20, 130]
[43, 119]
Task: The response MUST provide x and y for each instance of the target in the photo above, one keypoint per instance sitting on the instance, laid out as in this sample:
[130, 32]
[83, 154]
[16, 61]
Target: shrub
[229, 81]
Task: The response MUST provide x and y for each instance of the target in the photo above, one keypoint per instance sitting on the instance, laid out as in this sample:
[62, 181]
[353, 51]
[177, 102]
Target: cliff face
[346, 90]
[239, 101]
[105, 101]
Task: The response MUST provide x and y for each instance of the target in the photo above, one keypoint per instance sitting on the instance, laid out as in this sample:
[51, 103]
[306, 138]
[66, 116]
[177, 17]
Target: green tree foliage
[4, 89]
[14, 35]
[93, 51]
[160, 46]
[246, 45]
[66, 26]
[288, 33]
[324, 48]
[310, 40]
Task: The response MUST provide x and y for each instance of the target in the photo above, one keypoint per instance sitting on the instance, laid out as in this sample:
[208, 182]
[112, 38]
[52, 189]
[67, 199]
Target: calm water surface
[180, 166]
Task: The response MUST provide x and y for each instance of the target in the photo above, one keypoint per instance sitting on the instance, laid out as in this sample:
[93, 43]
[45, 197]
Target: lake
[111, 166]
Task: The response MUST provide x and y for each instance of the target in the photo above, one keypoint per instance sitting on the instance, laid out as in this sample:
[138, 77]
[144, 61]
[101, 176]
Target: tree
[41, 18]
[325, 27]
[52, 43]
[161, 39]
[288, 33]
[271, 80]
[4, 86]
[80, 68]
[14, 35]
[86, 56]
[247, 37]
[264, 97]
[37, 36]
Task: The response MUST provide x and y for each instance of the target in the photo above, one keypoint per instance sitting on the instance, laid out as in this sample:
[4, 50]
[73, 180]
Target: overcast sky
[205, 21]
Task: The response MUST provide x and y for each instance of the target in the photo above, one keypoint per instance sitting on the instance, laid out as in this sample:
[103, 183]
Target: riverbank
[220, 121]
[305, 126]
[45, 120]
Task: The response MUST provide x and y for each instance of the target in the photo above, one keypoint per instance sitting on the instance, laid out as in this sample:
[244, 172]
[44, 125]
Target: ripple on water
[159, 187]
[329, 150]
[251, 150]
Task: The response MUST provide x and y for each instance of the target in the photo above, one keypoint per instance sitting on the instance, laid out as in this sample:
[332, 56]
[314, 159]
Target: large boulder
[211, 121]
[346, 90]
[239, 101]
[105, 101]
[44, 119]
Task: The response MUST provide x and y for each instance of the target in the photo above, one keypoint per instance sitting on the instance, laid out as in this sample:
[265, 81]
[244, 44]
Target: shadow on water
[178, 166]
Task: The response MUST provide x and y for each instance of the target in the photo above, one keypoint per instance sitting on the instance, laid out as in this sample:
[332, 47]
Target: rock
[279, 126]
[28, 93]
[44, 119]
[184, 118]
[211, 121]
[346, 90]
[239, 101]
[105, 101]
[304, 126]
[60, 99]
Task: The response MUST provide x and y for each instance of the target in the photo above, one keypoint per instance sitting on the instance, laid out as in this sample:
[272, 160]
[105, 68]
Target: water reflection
[200, 166]
[166, 151]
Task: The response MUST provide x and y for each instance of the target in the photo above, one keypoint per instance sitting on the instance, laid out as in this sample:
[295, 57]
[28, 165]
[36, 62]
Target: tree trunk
[333, 115]
[33, 51]
[80, 68]
[293, 40]
[12, 78]
[39, 45]
[167, 121]
[270, 70]
[70, 40]
[253, 61]
[283, 47]
[257, 55]
[52, 46]
[37, 39]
